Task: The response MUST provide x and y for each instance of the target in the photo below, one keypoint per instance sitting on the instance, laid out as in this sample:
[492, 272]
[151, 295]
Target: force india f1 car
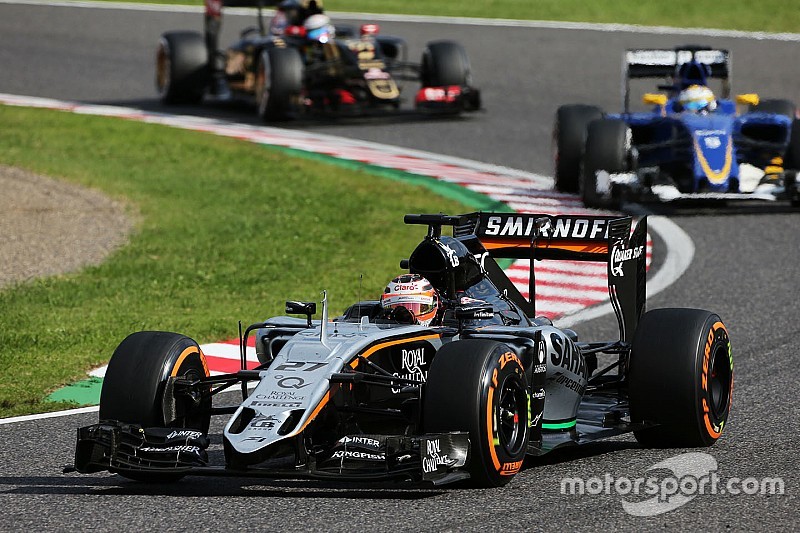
[333, 72]
[366, 397]
[670, 154]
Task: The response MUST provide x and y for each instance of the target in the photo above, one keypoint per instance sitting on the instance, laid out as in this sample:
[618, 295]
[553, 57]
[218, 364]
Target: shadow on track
[205, 486]
[201, 486]
[575, 452]
[243, 113]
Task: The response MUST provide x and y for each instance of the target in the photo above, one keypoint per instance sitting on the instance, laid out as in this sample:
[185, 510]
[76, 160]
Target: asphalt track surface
[744, 269]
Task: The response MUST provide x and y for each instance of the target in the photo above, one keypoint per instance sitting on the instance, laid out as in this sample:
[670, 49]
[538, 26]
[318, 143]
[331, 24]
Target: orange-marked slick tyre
[138, 388]
[137, 385]
[479, 386]
[680, 378]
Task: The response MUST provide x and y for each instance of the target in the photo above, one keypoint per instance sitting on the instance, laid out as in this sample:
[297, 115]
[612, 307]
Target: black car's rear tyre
[445, 63]
[279, 81]
[569, 142]
[608, 144]
[181, 67]
[480, 386]
[776, 106]
[680, 378]
[138, 389]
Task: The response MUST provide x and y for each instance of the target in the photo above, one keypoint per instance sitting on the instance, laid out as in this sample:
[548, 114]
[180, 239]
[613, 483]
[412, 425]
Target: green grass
[766, 15]
[227, 230]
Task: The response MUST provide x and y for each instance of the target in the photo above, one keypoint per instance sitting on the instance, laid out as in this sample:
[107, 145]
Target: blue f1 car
[679, 150]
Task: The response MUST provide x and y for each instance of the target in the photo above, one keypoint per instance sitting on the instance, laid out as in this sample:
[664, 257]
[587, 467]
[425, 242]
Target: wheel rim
[512, 416]
[719, 377]
[263, 84]
[163, 68]
[194, 415]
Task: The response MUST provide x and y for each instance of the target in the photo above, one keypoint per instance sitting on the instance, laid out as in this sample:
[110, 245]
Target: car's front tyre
[479, 386]
[279, 82]
[138, 387]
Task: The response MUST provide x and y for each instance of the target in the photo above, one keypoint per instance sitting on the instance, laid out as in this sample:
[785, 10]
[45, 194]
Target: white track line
[54, 414]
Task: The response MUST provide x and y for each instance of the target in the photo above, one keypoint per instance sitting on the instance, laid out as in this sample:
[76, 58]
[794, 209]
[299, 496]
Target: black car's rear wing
[684, 65]
[563, 237]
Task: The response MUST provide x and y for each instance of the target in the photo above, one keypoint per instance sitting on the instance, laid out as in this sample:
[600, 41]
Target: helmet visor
[322, 35]
[419, 305]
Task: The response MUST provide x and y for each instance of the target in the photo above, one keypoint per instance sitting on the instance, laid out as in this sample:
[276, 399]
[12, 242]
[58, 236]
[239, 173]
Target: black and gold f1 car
[330, 69]
[370, 396]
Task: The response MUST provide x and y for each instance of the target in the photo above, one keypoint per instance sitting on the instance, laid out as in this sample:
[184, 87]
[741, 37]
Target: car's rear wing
[684, 66]
[565, 237]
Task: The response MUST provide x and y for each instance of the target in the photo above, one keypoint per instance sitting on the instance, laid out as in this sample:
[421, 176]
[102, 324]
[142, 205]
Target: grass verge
[766, 15]
[229, 230]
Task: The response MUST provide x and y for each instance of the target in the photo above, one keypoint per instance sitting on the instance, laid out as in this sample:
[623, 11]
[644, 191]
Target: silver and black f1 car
[332, 70]
[372, 396]
[673, 154]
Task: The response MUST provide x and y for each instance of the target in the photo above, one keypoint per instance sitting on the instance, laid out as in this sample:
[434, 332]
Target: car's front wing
[131, 449]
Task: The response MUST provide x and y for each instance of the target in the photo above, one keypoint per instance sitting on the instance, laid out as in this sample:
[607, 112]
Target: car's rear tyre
[680, 378]
[480, 386]
[181, 67]
[445, 63]
[137, 388]
[608, 144]
[792, 157]
[279, 82]
[776, 106]
[569, 142]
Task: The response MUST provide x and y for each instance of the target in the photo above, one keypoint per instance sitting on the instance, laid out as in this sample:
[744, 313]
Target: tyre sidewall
[463, 393]
[499, 463]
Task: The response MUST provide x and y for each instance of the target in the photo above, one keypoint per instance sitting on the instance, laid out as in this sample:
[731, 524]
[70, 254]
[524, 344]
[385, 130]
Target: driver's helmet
[415, 294]
[319, 28]
[293, 11]
[697, 99]
[289, 13]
